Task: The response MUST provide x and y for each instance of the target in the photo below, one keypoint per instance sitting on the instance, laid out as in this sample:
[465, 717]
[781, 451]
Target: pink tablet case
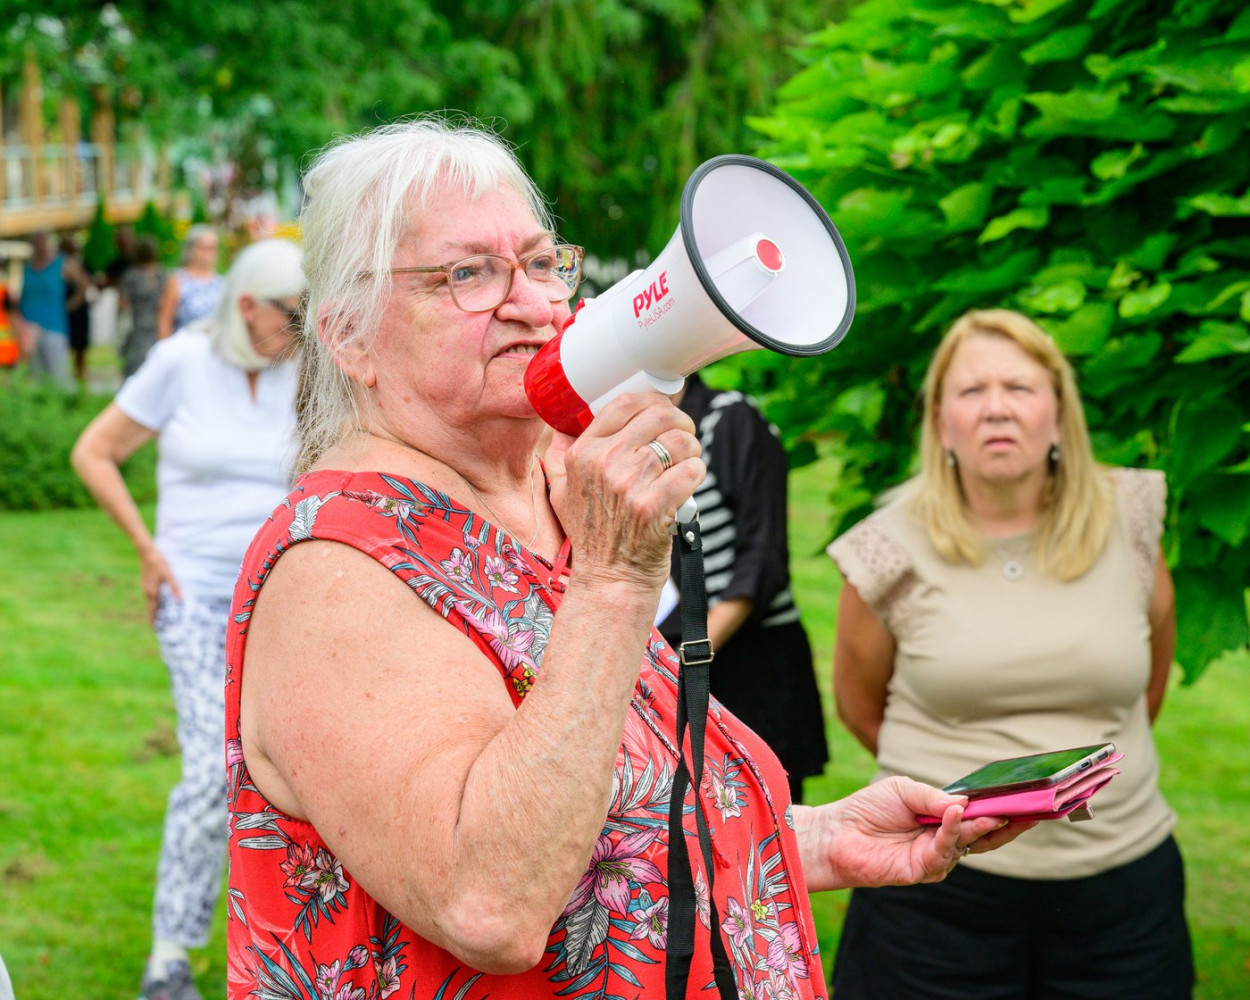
[1068, 798]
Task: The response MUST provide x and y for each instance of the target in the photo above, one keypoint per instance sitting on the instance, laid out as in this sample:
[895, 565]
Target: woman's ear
[352, 357]
[247, 308]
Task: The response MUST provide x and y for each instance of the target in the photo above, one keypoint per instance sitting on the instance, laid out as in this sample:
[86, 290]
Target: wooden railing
[57, 184]
[57, 187]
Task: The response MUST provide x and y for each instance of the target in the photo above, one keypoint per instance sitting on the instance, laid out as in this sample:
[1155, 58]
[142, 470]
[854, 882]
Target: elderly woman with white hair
[451, 730]
[192, 291]
[220, 400]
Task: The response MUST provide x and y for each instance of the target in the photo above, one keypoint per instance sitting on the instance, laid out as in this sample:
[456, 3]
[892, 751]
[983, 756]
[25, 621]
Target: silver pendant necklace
[1011, 555]
[499, 520]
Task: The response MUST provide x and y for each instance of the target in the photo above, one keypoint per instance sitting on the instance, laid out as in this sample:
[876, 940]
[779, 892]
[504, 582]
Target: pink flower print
[357, 958]
[738, 923]
[471, 541]
[511, 647]
[724, 796]
[785, 952]
[652, 924]
[612, 867]
[350, 993]
[702, 903]
[234, 752]
[388, 978]
[499, 576]
[387, 505]
[327, 979]
[327, 875]
[458, 566]
[299, 865]
[777, 986]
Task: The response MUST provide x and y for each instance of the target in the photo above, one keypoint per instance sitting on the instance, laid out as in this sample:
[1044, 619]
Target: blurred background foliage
[39, 424]
[1084, 161]
[611, 102]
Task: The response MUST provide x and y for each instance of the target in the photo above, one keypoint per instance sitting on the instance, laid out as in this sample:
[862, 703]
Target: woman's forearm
[106, 484]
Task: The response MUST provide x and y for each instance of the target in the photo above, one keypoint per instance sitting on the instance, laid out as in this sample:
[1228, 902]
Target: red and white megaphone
[759, 265]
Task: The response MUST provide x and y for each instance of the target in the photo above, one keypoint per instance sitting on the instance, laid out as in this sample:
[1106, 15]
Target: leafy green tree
[1083, 162]
[611, 103]
[619, 100]
[152, 223]
[100, 246]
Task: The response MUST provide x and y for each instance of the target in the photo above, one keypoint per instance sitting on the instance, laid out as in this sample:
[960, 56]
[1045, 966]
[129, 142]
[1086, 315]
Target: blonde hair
[268, 269]
[362, 192]
[1078, 505]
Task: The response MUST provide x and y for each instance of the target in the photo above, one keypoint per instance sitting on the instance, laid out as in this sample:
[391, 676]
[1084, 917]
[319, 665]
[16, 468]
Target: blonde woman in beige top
[1012, 598]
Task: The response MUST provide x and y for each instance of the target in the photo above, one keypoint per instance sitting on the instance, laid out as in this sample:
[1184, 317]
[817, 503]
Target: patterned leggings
[192, 636]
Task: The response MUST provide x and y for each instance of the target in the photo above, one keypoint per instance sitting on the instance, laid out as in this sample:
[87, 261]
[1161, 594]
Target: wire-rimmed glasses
[483, 282]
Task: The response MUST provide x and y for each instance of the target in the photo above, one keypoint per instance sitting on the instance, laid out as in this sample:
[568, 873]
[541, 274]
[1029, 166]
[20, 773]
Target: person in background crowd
[191, 292]
[763, 670]
[220, 398]
[123, 256]
[450, 723]
[51, 286]
[139, 296]
[1013, 599]
[10, 349]
[6, 984]
[78, 309]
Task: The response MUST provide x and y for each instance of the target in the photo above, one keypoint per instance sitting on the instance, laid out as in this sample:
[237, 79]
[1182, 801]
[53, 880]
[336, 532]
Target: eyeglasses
[294, 315]
[483, 282]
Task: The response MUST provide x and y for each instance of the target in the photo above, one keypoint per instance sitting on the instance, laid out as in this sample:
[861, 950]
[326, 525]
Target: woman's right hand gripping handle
[614, 496]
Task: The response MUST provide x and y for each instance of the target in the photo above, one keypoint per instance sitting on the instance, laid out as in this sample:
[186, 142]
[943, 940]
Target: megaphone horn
[759, 265]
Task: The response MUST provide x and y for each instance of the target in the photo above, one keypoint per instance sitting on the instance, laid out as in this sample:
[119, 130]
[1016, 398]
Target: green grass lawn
[87, 757]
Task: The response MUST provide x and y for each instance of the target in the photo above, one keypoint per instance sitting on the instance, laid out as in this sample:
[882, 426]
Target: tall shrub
[99, 247]
[161, 228]
[39, 423]
[1085, 162]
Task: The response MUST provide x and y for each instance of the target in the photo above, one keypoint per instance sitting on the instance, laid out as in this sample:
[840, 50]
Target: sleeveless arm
[871, 610]
[863, 663]
[167, 308]
[469, 818]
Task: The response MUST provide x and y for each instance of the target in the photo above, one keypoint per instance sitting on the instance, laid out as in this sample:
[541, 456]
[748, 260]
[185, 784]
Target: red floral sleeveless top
[301, 927]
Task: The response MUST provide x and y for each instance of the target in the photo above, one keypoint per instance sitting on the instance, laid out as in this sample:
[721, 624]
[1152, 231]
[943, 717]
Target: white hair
[194, 235]
[268, 269]
[363, 193]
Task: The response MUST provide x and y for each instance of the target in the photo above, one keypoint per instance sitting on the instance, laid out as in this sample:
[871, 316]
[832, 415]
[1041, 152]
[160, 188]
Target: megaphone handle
[687, 512]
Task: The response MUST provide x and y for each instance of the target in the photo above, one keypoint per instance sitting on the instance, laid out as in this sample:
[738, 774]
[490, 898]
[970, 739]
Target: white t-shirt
[222, 457]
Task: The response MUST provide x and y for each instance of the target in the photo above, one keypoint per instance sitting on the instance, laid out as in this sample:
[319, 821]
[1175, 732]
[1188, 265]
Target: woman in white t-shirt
[219, 398]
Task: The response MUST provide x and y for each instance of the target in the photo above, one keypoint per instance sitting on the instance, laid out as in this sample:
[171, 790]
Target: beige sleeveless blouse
[987, 667]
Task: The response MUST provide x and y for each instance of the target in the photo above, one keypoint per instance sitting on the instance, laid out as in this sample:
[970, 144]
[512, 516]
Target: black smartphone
[1039, 770]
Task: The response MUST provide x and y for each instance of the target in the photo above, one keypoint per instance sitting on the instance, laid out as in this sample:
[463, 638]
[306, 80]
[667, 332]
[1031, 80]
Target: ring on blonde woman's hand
[663, 454]
[965, 851]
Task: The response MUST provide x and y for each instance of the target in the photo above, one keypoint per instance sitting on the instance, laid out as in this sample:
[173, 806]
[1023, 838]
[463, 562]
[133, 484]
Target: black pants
[1119, 934]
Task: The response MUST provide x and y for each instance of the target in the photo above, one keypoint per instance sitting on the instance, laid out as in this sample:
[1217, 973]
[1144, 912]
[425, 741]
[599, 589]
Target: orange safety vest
[9, 352]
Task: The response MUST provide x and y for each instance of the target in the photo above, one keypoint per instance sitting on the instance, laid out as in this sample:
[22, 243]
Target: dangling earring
[950, 457]
[1054, 456]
